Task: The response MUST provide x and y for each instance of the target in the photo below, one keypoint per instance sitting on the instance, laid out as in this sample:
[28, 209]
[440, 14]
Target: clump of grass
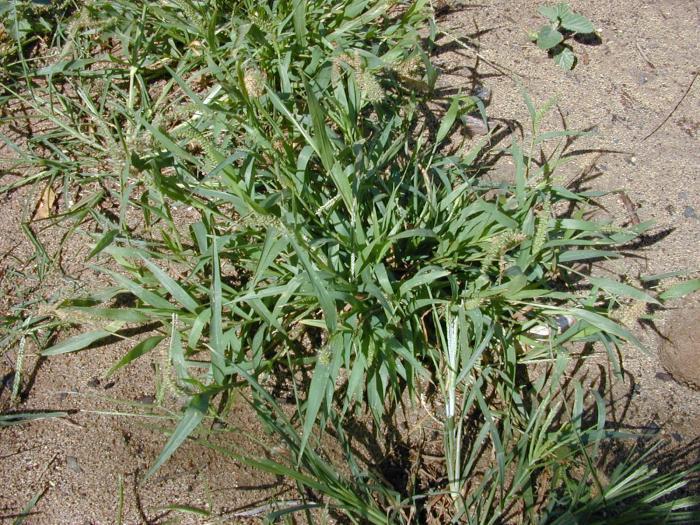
[296, 216]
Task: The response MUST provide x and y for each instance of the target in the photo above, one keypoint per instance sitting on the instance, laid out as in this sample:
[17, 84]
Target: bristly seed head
[254, 81]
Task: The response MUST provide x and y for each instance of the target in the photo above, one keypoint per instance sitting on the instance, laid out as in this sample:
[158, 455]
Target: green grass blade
[324, 298]
[78, 342]
[195, 412]
[7, 420]
[216, 332]
[178, 292]
[680, 290]
[140, 349]
[621, 289]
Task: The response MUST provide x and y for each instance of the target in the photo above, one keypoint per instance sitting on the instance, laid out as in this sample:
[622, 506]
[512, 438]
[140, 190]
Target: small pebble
[94, 382]
[72, 463]
[689, 212]
[677, 436]
[663, 376]
[482, 92]
[653, 428]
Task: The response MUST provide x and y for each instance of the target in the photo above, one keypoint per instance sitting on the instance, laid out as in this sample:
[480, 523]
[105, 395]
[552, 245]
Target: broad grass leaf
[146, 296]
[317, 393]
[140, 349]
[324, 298]
[178, 292]
[416, 232]
[421, 278]
[520, 171]
[176, 352]
[104, 241]
[127, 315]
[78, 342]
[680, 290]
[604, 324]
[622, 289]
[447, 121]
[586, 255]
[321, 139]
[195, 412]
[299, 21]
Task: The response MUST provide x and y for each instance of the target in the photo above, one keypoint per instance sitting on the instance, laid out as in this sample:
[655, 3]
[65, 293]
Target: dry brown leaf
[46, 203]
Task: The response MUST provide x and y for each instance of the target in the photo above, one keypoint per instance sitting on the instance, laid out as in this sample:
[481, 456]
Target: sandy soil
[623, 88]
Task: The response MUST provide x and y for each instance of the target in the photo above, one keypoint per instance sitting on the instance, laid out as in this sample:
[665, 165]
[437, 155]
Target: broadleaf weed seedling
[563, 25]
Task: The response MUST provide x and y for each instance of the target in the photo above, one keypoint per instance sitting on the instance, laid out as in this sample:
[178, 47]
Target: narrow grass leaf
[7, 420]
[216, 332]
[27, 510]
[140, 349]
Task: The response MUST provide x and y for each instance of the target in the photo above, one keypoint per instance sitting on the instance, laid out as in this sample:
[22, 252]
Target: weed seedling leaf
[565, 59]
[548, 37]
[576, 23]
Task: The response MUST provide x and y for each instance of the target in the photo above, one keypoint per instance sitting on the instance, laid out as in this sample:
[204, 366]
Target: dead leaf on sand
[46, 204]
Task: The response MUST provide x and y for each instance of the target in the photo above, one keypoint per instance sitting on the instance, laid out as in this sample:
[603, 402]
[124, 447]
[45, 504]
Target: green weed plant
[297, 217]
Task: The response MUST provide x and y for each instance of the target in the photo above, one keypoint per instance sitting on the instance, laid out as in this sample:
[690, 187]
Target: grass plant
[285, 211]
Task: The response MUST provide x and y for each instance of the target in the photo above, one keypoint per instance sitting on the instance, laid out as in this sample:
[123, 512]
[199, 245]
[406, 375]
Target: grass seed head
[254, 81]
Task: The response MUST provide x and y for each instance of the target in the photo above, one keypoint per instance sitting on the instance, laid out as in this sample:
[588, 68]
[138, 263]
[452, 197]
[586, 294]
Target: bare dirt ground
[624, 87]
